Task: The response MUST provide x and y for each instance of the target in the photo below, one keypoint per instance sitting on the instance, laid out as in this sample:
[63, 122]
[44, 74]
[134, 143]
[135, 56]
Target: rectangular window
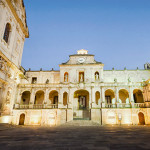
[34, 80]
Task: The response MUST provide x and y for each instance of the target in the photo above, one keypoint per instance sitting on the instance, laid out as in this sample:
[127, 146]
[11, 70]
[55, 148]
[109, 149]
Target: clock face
[81, 60]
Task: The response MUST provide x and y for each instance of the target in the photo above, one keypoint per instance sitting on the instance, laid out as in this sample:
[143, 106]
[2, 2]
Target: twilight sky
[117, 32]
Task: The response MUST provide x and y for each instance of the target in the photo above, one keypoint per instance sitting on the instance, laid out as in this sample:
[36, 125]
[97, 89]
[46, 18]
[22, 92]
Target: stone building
[81, 89]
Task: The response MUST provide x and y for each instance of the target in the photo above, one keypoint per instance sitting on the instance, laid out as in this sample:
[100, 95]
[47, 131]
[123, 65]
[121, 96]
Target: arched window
[7, 32]
[66, 77]
[96, 75]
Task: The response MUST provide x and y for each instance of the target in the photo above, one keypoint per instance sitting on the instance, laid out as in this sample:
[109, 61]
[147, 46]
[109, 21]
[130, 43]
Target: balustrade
[126, 105]
[36, 106]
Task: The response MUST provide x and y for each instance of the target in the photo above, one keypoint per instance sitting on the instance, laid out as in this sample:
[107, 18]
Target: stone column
[92, 97]
[131, 96]
[60, 99]
[32, 98]
[46, 97]
[117, 95]
[70, 99]
[102, 96]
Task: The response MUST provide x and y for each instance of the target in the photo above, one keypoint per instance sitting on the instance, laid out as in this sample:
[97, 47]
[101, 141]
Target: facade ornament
[97, 76]
[127, 101]
[115, 80]
[8, 97]
[81, 78]
[47, 81]
[129, 80]
[66, 77]
[3, 65]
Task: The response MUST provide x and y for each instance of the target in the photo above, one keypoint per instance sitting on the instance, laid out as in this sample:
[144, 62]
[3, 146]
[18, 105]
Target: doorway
[22, 119]
[82, 102]
[141, 118]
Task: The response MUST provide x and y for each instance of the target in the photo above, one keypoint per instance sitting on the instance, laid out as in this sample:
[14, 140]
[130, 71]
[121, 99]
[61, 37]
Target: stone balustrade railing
[126, 105]
[36, 106]
[53, 106]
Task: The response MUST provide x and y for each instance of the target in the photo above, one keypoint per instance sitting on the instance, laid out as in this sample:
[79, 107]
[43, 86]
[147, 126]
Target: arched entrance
[22, 119]
[81, 105]
[141, 118]
[25, 98]
[39, 97]
[109, 96]
[123, 95]
[138, 96]
[53, 97]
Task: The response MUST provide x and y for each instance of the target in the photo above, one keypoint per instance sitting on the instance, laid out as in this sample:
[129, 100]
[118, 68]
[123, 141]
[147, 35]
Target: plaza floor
[74, 137]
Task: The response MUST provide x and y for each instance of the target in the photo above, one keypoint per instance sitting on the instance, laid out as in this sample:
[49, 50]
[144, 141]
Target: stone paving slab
[74, 137]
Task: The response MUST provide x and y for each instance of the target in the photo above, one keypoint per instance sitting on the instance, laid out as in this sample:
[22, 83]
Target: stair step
[82, 123]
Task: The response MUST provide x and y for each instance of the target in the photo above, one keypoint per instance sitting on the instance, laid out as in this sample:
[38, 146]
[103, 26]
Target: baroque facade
[81, 89]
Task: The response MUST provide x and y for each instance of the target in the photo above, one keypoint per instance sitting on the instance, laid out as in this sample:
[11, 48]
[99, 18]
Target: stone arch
[22, 119]
[25, 98]
[141, 118]
[7, 32]
[109, 95]
[123, 95]
[53, 97]
[66, 76]
[138, 96]
[81, 99]
[65, 98]
[39, 97]
[97, 97]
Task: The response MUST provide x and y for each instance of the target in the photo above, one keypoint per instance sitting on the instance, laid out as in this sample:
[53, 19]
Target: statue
[81, 78]
[129, 80]
[115, 80]
[47, 81]
[127, 101]
[97, 76]
[66, 77]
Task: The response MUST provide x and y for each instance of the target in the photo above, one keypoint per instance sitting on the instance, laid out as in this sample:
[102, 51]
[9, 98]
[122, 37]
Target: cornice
[24, 29]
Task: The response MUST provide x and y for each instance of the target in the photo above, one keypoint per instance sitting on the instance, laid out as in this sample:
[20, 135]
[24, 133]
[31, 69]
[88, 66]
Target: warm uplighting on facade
[35, 120]
[6, 119]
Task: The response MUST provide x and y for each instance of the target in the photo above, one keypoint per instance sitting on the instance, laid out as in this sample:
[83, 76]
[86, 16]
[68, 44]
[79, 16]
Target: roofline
[81, 55]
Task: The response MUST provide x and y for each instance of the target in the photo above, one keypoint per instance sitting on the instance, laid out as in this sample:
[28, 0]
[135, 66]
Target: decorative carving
[129, 80]
[96, 76]
[115, 80]
[8, 97]
[81, 78]
[47, 81]
[3, 65]
[66, 77]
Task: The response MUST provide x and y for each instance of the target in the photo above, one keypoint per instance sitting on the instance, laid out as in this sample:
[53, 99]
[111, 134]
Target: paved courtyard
[74, 137]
